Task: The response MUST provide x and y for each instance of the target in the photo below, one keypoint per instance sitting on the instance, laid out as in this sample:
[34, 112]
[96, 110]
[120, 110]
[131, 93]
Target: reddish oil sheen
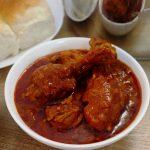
[33, 115]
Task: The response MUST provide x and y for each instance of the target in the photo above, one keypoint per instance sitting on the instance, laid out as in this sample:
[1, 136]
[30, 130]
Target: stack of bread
[23, 23]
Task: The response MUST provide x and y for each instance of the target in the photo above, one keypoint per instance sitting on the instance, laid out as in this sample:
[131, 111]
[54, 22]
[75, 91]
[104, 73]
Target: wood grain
[13, 138]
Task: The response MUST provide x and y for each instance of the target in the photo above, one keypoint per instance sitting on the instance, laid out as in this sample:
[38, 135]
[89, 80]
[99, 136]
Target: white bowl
[115, 28]
[50, 47]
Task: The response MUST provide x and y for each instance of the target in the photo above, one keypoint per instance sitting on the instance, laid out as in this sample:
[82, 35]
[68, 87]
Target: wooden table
[137, 43]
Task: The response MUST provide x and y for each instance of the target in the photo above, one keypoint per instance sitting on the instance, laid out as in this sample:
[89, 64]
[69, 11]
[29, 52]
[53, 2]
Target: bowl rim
[55, 144]
[117, 23]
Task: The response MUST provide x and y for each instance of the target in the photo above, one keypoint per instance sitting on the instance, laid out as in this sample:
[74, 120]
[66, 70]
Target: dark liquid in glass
[121, 11]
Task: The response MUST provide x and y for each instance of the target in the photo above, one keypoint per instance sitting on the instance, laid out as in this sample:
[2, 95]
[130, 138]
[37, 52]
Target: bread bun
[31, 20]
[8, 41]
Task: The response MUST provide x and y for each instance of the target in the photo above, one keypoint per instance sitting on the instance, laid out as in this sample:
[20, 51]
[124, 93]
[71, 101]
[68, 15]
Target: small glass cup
[79, 10]
[119, 29]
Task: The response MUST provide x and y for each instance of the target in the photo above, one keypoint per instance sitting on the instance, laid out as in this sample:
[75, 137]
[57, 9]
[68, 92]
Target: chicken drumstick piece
[56, 81]
[67, 114]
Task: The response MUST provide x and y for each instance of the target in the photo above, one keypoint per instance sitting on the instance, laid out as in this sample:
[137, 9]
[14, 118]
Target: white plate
[57, 9]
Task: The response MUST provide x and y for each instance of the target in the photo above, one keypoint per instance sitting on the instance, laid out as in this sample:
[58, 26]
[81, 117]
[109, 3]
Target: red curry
[77, 96]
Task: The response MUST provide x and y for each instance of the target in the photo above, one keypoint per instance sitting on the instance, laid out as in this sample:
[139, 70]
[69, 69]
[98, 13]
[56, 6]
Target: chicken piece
[102, 51]
[56, 81]
[51, 81]
[96, 44]
[106, 98]
[67, 57]
[67, 114]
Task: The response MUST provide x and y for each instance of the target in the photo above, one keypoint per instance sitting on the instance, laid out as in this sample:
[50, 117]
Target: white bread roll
[8, 41]
[31, 20]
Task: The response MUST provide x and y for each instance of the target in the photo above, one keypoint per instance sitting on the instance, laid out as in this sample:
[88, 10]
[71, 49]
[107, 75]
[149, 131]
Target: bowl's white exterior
[65, 44]
[118, 29]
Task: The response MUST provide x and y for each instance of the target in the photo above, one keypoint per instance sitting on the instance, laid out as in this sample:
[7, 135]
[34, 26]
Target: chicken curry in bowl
[78, 96]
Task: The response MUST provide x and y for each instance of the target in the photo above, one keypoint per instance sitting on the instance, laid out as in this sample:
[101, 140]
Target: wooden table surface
[137, 43]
